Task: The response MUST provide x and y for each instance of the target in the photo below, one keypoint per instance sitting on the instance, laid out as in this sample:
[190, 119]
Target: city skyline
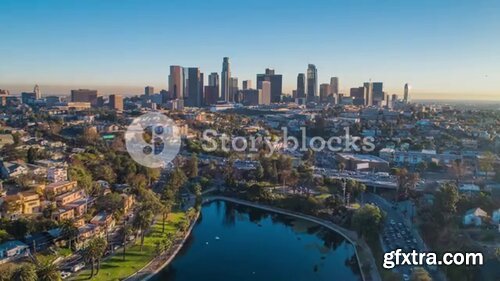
[444, 50]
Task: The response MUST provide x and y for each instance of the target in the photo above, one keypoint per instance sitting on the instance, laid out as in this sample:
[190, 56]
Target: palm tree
[93, 254]
[26, 272]
[69, 231]
[124, 233]
[141, 222]
[48, 271]
[166, 209]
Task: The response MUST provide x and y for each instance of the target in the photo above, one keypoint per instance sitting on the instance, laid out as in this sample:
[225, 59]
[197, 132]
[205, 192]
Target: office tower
[233, 88]
[84, 95]
[247, 84]
[100, 101]
[301, 85]
[194, 87]
[324, 92]
[38, 93]
[276, 83]
[225, 79]
[358, 95]
[394, 97]
[377, 92]
[266, 92]
[116, 102]
[251, 97]
[28, 97]
[149, 91]
[406, 97]
[176, 82]
[213, 80]
[368, 93]
[211, 95]
[164, 96]
[312, 82]
[334, 86]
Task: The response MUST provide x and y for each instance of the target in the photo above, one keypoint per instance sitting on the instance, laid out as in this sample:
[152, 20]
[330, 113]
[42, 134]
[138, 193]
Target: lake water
[237, 243]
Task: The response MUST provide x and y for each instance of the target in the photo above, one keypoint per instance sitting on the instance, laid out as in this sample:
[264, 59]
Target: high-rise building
[38, 93]
[213, 80]
[368, 93]
[211, 95]
[233, 88]
[406, 97]
[301, 85]
[194, 87]
[358, 95]
[247, 84]
[312, 82]
[334, 85]
[324, 92]
[176, 82]
[377, 92]
[225, 80]
[276, 83]
[266, 92]
[149, 91]
[251, 97]
[84, 95]
[28, 98]
[116, 102]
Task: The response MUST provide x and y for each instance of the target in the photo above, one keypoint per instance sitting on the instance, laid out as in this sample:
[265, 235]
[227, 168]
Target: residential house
[58, 188]
[12, 250]
[474, 217]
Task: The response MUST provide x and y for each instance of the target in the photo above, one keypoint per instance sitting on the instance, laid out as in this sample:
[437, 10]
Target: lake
[232, 242]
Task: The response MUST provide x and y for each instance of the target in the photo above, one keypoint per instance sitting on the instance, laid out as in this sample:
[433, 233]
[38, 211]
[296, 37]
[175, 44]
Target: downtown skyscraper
[301, 86]
[312, 82]
[226, 80]
[406, 96]
[194, 87]
[176, 82]
[276, 81]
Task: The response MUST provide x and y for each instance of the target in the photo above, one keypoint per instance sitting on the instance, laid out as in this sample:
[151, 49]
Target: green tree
[165, 211]
[80, 174]
[192, 166]
[94, 252]
[26, 272]
[69, 231]
[47, 271]
[446, 199]
[367, 220]
[124, 233]
[142, 221]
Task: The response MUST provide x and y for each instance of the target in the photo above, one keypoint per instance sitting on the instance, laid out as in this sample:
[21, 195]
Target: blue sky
[444, 49]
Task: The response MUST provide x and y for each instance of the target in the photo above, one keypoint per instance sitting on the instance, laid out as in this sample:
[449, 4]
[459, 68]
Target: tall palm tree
[93, 253]
[26, 272]
[142, 221]
[124, 233]
[165, 210]
[69, 231]
[48, 271]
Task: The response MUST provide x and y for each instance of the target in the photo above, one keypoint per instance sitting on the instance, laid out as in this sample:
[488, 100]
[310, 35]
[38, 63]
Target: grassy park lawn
[115, 268]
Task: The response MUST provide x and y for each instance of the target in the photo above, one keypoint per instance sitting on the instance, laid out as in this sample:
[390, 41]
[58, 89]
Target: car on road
[78, 267]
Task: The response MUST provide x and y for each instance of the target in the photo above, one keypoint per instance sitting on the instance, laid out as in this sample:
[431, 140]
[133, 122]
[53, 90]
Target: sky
[447, 49]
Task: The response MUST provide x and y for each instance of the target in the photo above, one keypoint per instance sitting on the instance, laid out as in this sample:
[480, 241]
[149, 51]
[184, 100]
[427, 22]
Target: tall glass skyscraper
[226, 80]
[301, 85]
[312, 82]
